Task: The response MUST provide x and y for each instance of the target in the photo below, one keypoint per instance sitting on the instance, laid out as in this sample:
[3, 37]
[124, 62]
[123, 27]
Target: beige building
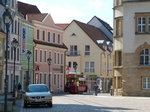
[89, 49]
[132, 47]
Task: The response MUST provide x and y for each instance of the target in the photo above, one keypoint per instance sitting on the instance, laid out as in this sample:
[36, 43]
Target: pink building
[48, 39]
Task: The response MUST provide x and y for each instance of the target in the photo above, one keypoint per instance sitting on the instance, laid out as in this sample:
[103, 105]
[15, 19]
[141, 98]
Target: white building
[132, 47]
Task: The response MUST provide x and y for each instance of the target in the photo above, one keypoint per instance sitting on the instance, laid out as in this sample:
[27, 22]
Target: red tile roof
[25, 9]
[93, 32]
[64, 26]
[38, 17]
[63, 46]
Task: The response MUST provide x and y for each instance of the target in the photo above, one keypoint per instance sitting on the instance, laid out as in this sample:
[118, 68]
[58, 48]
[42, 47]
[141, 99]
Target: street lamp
[49, 60]
[75, 66]
[7, 18]
[28, 55]
[14, 44]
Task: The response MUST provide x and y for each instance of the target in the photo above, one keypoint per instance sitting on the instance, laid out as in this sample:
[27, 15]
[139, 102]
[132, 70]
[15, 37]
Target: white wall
[130, 40]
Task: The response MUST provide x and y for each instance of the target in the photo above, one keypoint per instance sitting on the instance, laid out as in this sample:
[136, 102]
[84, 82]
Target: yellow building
[90, 50]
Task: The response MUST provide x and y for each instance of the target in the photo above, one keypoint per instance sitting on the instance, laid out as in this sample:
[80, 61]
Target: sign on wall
[23, 40]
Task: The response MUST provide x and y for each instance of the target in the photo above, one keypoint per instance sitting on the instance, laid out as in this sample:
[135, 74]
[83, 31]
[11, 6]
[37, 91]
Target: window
[117, 2]
[40, 78]
[53, 37]
[38, 34]
[87, 50]
[62, 59]
[45, 59]
[12, 53]
[69, 64]
[55, 58]
[18, 28]
[15, 27]
[89, 67]
[49, 37]
[73, 50]
[18, 54]
[119, 27]
[118, 58]
[58, 58]
[146, 83]
[43, 35]
[40, 55]
[145, 57]
[45, 78]
[36, 55]
[58, 39]
[55, 79]
[142, 22]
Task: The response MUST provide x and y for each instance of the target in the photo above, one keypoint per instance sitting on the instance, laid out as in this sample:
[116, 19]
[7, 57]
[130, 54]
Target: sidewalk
[16, 107]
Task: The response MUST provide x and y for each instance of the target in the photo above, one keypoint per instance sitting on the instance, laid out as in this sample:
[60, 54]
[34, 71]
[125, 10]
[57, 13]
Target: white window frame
[145, 55]
[146, 83]
[90, 67]
[141, 25]
[87, 50]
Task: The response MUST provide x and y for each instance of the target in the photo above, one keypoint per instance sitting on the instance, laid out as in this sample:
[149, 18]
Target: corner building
[131, 48]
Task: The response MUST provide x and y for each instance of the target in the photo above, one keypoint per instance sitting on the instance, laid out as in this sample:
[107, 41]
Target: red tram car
[75, 84]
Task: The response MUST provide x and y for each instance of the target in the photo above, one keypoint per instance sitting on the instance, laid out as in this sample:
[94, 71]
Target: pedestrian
[19, 87]
[96, 89]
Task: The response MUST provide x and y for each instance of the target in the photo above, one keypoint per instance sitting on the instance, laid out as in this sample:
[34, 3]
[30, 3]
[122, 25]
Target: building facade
[87, 48]
[131, 47]
[2, 37]
[48, 39]
[27, 44]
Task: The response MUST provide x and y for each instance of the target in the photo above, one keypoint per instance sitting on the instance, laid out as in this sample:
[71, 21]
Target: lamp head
[15, 43]
[7, 17]
[49, 60]
[28, 54]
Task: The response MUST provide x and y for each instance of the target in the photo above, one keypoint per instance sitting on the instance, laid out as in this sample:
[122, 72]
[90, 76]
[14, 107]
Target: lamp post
[7, 18]
[14, 44]
[28, 55]
[75, 66]
[49, 60]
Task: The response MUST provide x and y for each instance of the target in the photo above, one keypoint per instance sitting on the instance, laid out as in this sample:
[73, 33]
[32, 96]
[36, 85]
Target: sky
[64, 11]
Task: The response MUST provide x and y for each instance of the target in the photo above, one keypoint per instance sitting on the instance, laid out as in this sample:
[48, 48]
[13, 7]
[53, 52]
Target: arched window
[145, 57]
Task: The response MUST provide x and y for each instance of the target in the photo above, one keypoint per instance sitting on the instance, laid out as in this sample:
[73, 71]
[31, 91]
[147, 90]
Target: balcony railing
[73, 53]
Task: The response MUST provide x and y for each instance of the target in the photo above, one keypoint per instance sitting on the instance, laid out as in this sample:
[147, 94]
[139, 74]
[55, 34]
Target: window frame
[146, 83]
[143, 57]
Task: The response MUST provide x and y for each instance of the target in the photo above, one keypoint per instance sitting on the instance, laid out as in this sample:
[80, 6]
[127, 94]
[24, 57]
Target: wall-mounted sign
[23, 40]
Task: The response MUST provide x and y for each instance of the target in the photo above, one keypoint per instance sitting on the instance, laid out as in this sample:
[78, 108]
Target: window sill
[146, 33]
[143, 66]
[118, 67]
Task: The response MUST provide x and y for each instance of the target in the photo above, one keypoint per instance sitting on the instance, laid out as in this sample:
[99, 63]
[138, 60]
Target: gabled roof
[93, 32]
[39, 17]
[64, 26]
[105, 24]
[25, 9]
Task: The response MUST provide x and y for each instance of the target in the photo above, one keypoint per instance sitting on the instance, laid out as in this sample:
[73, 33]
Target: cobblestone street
[91, 103]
